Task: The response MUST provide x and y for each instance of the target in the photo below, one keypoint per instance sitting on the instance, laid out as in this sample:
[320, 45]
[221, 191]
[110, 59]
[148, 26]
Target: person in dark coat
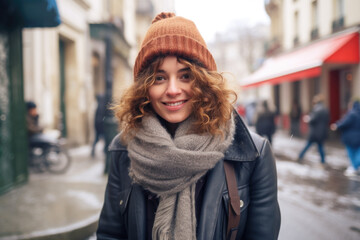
[35, 131]
[178, 131]
[295, 118]
[32, 119]
[99, 121]
[265, 121]
[349, 126]
[318, 121]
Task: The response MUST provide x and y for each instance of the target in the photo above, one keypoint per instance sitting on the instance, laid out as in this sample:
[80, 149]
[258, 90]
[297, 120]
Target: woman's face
[171, 93]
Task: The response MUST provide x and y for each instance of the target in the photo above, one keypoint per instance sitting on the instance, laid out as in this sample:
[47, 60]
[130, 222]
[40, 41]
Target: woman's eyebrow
[180, 70]
[184, 69]
[160, 71]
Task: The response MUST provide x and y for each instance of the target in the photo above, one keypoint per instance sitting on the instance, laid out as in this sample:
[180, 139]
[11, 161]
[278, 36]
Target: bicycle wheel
[57, 160]
[37, 160]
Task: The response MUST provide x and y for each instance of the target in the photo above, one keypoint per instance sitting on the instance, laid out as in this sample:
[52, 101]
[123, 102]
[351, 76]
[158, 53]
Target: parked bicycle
[48, 153]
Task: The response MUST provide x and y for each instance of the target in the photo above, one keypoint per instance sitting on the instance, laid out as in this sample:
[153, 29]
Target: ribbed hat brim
[178, 45]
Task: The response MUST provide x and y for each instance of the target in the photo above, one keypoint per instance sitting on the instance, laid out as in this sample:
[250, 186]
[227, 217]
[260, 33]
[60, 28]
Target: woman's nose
[173, 87]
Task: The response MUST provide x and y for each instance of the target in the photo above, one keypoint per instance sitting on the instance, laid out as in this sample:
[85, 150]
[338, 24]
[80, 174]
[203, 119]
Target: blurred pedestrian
[35, 130]
[349, 126]
[250, 113]
[99, 121]
[295, 117]
[265, 121]
[318, 121]
[179, 132]
[32, 119]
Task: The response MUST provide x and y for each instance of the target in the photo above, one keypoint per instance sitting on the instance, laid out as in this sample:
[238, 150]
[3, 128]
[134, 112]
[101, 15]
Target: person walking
[318, 122]
[180, 137]
[295, 118]
[99, 122]
[265, 121]
[349, 126]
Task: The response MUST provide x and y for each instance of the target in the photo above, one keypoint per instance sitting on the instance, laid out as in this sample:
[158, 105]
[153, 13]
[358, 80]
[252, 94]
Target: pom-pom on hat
[173, 35]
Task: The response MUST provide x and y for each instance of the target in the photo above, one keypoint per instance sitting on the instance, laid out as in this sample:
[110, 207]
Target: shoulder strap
[234, 201]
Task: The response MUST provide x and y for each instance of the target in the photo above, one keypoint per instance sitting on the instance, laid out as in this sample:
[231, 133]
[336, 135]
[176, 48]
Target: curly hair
[211, 99]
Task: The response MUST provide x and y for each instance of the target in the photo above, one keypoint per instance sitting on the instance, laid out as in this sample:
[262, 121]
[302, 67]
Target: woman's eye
[185, 76]
[159, 78]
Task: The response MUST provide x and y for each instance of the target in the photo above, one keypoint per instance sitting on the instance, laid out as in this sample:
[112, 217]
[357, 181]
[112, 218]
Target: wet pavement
[51, 206]
[317, 202]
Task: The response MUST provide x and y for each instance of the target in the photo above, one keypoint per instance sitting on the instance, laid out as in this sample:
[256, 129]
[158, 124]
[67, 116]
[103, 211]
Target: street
[317, 203]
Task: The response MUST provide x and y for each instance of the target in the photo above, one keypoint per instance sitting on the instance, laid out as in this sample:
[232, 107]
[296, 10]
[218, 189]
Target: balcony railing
[338, 24]
[314, 34]
[296, 41]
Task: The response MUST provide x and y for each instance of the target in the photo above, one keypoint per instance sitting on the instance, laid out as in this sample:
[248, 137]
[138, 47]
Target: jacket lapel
[212, 200]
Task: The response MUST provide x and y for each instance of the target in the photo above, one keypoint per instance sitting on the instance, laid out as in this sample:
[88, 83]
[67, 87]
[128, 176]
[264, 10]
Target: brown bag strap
[234, 201]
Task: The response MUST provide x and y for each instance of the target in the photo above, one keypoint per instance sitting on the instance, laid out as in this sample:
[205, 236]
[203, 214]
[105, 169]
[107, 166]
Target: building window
[339, 9]
[296, 28]
[314, 20]
[338, 15]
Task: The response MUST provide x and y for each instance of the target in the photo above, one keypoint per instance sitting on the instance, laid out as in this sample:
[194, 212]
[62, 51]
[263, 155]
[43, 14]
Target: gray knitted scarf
[170, 168]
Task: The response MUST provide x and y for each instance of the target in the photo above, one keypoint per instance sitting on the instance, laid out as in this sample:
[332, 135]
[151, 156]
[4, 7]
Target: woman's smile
[174, 106]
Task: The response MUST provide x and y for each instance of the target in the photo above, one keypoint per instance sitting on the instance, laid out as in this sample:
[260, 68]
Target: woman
[349, 126]
[167, 178]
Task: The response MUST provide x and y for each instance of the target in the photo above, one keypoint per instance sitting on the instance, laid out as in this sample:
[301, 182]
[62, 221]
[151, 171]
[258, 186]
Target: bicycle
[49, 154]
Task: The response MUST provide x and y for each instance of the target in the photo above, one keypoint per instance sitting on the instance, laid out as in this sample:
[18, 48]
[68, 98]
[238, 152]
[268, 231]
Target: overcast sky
[212, 16]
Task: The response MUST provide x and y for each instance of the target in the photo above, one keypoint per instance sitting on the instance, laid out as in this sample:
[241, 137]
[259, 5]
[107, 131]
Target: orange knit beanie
[173, 35]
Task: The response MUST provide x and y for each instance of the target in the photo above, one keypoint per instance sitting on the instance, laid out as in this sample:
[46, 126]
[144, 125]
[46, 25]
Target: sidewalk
[285, 146]
[51, 206]
[67, 206]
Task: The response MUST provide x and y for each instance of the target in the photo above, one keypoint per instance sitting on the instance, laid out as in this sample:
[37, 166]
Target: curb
[79, 230]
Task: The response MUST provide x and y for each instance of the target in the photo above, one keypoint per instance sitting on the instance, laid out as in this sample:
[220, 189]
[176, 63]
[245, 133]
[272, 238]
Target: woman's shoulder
[258, 141]
[116, 144]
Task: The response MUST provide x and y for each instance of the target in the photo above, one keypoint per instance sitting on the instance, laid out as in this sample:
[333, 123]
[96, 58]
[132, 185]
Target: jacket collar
[243, 147]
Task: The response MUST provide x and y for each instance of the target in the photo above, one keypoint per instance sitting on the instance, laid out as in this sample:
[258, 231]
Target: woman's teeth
[174, 104]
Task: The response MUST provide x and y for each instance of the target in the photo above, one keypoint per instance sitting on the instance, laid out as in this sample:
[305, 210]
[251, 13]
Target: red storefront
[334, 59]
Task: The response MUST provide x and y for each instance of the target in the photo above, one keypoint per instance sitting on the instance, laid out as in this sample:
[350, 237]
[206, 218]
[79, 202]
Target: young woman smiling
[178, 129]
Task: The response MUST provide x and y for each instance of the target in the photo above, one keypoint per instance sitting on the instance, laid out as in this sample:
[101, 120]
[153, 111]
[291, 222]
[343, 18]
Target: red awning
[306, 62]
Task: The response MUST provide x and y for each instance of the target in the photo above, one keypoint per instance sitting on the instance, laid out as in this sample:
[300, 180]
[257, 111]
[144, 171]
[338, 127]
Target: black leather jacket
[124, 210]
